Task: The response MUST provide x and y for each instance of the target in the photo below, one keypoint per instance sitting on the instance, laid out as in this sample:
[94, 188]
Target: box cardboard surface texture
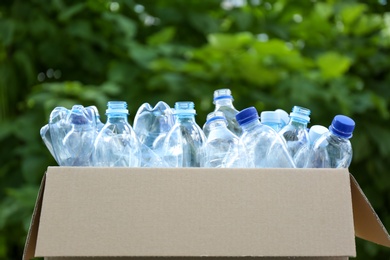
[84, 212]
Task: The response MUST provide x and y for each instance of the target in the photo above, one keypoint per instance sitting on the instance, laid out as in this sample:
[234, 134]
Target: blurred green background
[329, 56]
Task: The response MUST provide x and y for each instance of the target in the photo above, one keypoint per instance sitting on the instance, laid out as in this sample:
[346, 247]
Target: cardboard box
[196, 212]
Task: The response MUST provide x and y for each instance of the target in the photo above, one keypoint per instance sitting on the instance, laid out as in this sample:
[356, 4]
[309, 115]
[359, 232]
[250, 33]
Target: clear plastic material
[265, 148]
[295, 132]
[222, 149]
[116, 144]
[183, 142]
[302, 156]
[223, 101]
[70, 134]
[151, 125]
[333, 149]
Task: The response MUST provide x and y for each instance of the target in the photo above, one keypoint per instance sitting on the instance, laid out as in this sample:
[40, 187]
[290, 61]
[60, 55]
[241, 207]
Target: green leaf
[333, 65]
[161, 37]
[350, 13]
[68, 13]
[228, 42]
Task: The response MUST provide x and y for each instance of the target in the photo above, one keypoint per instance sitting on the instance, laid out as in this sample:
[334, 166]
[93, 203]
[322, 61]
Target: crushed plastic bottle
[117, 144]
[183, 142]
[70, 134]
[222, 149]
[265, 148]
[95, 112]
[333, 149]
[152, 124]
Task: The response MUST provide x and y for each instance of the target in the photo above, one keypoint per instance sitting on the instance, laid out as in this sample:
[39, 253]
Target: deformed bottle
[78, 142]
[116, 144]
[95, 113]
[152, 124]
[295, 132]
[223, 101]
[183, 142]
[222, 149]
[265, 148]
[333, 149]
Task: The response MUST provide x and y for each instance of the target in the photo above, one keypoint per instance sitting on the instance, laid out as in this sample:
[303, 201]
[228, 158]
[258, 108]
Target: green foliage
[329, 56]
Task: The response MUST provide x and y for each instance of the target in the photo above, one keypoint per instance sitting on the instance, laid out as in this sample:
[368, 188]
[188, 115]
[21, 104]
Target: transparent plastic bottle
[302, 156]
[222, 149]
[295, 132]
[271, 119]
[58, 129]
[152, 124]
[223, 101]
[116, 144]
[95, 112]
[46, 137]
[78, 142]
[183, 142]
[333, 149]
[265, 148]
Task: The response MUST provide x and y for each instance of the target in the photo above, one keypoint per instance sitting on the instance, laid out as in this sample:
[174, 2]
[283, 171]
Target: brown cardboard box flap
[31, 240]
[195, 212]
[368, 226]
[199, 212]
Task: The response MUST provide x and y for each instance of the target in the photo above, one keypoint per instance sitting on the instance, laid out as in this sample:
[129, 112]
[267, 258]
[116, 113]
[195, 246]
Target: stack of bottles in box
[170, 137]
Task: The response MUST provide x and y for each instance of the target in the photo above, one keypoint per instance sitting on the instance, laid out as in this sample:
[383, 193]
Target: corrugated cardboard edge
[31, 240]
[368, 226]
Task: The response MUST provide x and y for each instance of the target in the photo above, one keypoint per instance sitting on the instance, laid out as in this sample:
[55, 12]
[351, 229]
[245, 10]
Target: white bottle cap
[316, 131]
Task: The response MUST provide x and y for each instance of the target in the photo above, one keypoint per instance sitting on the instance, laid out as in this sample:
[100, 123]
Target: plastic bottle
[265, 148]
[95, 112]
[271, 119]
[58, 128]
[295, 132]
[78, 142]
[152, 124]
[302, 156]
[223, 101]
[116, 144]
[46, 137]
[183, 142]
[222, 149]
[333, 149]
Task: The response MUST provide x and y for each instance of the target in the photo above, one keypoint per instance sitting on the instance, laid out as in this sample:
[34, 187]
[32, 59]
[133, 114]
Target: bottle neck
[298, 122]
[116, 118]
[224, 102]
[248, 126]
[184, 117]
[217, 124]
[335, 138]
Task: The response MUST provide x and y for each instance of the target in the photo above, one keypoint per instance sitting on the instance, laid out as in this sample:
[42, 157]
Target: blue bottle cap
[342, 126]
[247, 115]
